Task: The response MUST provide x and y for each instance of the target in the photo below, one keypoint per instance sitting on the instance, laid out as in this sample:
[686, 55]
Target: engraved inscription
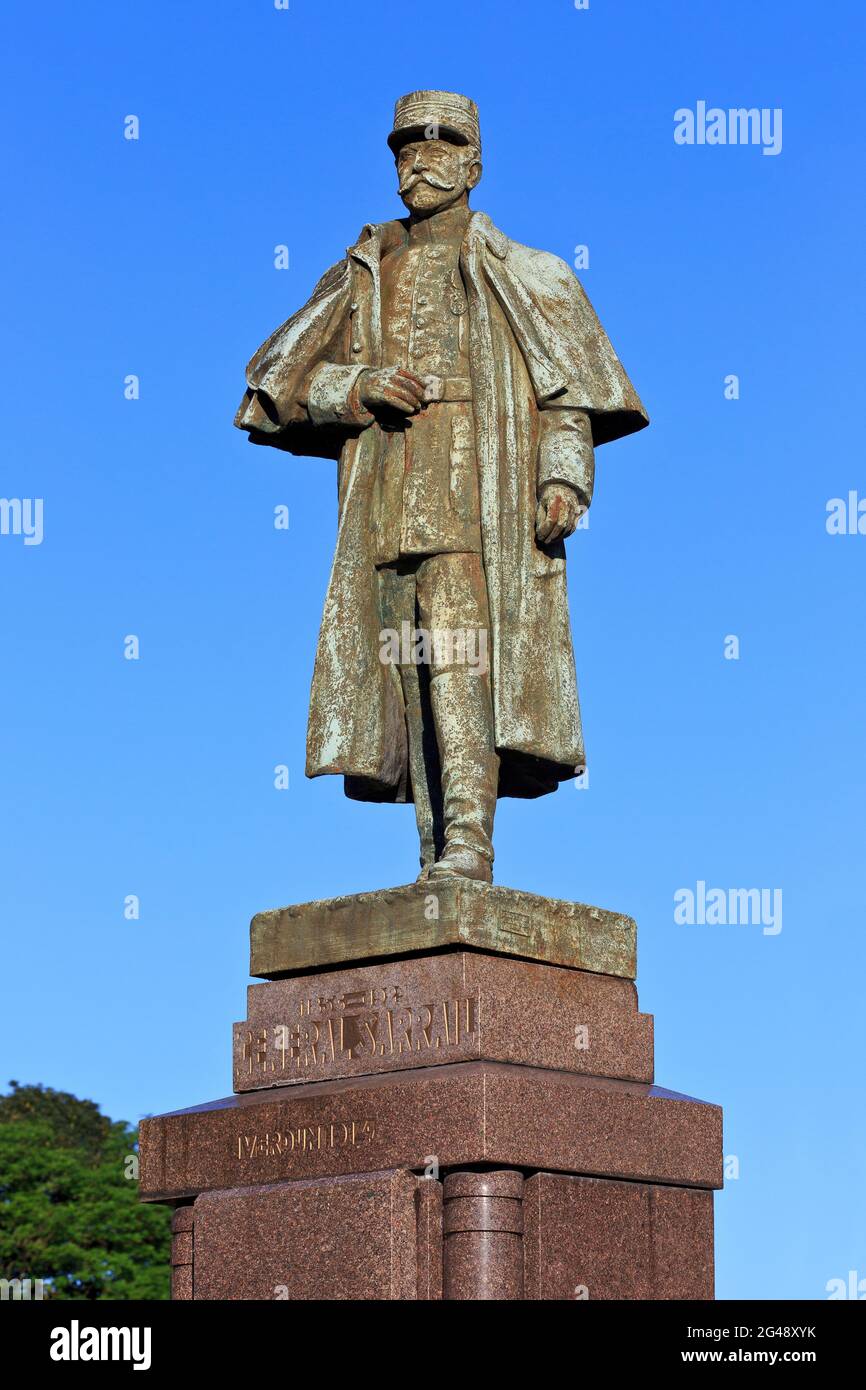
[305, 1139]
[516, 923]
[364, 1024]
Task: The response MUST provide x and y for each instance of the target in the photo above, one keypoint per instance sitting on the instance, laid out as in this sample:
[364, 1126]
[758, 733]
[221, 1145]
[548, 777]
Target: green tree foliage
[69, 1208]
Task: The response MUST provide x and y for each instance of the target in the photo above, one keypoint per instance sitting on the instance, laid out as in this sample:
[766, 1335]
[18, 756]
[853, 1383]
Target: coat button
[420, 323]
[356, 347]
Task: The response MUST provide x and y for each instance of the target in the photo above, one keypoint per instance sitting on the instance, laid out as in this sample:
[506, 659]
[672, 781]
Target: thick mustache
[411, 181]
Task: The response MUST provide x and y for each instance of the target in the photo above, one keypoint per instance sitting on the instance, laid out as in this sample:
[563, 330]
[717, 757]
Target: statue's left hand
[559, 510]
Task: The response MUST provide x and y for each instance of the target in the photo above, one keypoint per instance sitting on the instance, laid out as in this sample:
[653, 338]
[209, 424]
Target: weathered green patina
[462, 381]
[448, 913]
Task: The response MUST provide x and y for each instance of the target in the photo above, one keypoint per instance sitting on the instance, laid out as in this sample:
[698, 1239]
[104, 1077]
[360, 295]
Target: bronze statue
[462, 382]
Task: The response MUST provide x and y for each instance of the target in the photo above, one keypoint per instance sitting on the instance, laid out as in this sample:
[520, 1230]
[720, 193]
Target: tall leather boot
[423, 766]
[463, 714]
[398, 604]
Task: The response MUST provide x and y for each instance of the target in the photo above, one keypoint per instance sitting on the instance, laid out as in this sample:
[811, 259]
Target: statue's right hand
[393, 387]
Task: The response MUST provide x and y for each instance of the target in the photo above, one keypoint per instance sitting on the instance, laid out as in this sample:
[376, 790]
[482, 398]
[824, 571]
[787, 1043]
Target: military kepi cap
[418, 114]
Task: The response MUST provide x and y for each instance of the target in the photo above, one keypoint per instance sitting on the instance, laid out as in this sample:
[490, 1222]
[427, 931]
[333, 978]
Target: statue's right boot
[398, 605]
[423, 773]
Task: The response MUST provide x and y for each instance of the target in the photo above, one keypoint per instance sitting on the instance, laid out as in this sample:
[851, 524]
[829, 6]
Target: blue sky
[154, 777]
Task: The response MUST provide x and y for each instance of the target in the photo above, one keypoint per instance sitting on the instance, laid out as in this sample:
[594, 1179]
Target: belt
[447, 388]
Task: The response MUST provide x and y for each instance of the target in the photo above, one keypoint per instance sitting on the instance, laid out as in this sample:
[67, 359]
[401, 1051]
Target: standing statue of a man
[462, 382]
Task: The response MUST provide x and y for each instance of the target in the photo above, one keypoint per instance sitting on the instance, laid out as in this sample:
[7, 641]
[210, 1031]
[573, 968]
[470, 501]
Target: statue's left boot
[463, 712]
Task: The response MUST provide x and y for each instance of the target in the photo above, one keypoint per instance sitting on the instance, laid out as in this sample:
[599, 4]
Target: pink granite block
[456, 1116]
[349, 1238]
[592, 1239]
[435, 1010]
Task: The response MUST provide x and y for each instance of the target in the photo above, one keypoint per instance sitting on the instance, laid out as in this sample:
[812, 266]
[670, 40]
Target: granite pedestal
[441, 1094]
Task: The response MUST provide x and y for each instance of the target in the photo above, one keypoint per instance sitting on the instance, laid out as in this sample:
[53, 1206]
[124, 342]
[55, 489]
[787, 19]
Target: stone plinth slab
[433, 916]
[587, 1238]
[450, 1007]
[448, 1116]
[372, 1237]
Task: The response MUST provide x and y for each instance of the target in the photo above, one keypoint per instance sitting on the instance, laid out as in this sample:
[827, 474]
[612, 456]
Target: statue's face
[434, 173]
